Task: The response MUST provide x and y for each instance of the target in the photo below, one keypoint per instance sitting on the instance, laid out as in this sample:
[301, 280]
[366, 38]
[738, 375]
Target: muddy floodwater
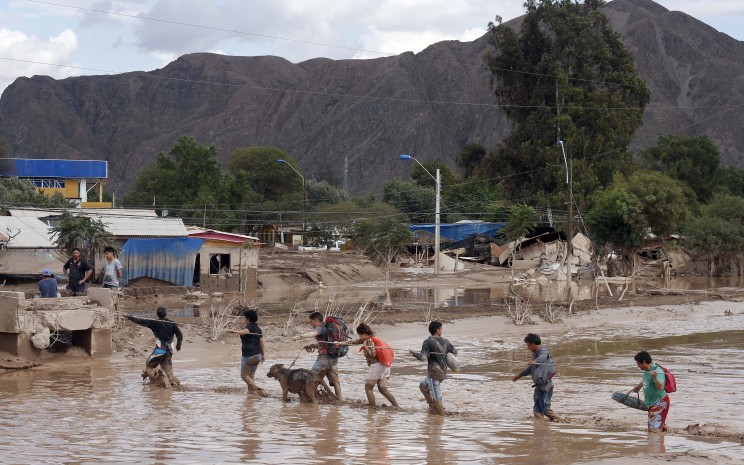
[88, 411]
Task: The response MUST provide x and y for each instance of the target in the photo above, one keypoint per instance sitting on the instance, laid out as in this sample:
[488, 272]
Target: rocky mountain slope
[359, 113]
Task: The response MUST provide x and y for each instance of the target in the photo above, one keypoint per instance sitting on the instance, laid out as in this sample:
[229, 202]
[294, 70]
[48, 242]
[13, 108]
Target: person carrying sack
[654, 391]
[434, 350]
[379, 357]
[542, 370]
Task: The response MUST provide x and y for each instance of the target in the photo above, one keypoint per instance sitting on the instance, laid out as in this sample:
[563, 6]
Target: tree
[17, 192]
[83, 232]
[521, 221]
[178, 177]
[418, 202]
[564, 75]
[382, 240]
[718, 229]
[268, 178]
[420, 176]
[322, 193]
[693, 160]
[624, 213]
[473, 199]
[470, 157]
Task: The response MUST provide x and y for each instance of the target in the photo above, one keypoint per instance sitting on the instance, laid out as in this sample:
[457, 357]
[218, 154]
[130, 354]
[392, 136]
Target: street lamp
[436, 211]
[304, 187]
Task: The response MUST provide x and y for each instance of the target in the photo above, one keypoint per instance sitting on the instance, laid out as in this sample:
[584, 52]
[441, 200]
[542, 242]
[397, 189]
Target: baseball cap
[46, 272]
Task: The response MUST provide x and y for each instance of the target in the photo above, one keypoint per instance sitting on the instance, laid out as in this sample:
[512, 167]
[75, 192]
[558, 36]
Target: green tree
[473, 199]
[623, 214]
[693, 160]
[564, 75]
[83, 232]
[342, 216]
[382, 239]
[520, 222]
[470, 157]
[417, 201]
[420, 177]
[268, 178]
[718, 229]
[17, 192]
[177, 178]
[322, 193]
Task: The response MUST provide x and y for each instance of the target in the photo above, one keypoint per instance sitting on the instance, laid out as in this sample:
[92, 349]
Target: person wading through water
[252, 351]
[542, 370]
[654, 393]
[164, 330]
[379, 359]
[434, 350]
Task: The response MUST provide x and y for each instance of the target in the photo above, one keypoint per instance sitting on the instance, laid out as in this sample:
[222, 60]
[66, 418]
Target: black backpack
[336, 332]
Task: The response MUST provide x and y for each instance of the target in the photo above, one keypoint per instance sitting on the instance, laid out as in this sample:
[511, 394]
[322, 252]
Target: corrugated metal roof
[143, 227]
[40, 213]
[26, 232]
[204, 232]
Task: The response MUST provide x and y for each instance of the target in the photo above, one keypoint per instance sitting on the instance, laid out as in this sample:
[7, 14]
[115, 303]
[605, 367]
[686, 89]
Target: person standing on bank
[111, 269]
[164, 330]
[252, 350]
[434, 350]
[542, 370]
[379, 357]
[77, 271]
[654, 393]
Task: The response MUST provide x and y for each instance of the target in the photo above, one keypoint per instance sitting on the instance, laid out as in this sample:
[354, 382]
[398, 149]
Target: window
[48, 183]
[219, 264]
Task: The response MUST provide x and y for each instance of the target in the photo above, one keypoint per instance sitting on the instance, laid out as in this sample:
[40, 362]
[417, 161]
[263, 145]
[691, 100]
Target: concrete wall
[243, 270]
[25, 325]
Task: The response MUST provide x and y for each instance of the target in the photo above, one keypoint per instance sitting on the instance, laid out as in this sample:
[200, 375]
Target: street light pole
[304, 189]
[569, 220]
[438, 180]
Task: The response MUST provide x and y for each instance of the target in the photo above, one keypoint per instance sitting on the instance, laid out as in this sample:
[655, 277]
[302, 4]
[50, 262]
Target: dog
[299, 381]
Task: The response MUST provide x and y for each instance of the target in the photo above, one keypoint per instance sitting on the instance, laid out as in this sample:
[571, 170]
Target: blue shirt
[48, 287]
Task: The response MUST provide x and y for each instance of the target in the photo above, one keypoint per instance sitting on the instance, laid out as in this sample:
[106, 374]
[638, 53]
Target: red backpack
[671, 383]
[336, 332]
[385, 354]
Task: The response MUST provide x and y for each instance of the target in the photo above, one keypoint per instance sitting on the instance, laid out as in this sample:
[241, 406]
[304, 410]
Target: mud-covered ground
[699, 335]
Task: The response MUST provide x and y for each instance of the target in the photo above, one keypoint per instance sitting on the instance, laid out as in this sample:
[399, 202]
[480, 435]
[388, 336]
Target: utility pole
[569, 241]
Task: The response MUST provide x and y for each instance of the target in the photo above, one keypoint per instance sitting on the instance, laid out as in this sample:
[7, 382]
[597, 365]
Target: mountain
[363, 113]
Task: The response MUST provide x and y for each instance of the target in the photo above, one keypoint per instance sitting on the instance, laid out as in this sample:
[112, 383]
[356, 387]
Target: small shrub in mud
[553, 313]
[519, 310]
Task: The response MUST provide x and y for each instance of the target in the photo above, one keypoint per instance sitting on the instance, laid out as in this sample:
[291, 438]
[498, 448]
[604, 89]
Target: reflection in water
[655, 444]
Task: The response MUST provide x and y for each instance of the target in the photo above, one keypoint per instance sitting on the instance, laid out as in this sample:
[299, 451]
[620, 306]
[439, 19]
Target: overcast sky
[62, 38]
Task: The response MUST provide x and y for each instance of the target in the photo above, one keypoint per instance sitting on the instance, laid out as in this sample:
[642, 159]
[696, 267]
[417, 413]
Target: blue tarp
[459, 231]
[170, 259]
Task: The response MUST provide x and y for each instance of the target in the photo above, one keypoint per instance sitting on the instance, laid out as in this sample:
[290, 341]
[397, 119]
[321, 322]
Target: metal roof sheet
[26, 232]
[40, 213]
[143, 227]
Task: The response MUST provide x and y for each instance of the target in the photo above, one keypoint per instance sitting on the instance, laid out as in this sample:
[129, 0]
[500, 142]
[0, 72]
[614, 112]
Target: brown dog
[298, 381]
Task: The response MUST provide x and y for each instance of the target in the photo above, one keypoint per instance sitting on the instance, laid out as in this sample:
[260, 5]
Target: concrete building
[71, 178]
[226, 262]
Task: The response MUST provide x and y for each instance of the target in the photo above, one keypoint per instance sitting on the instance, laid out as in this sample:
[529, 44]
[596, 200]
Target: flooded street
[97, 411]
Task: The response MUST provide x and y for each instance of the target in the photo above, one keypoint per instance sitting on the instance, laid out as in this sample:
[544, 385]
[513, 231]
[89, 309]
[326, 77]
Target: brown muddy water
[97, 411]
[442, 295]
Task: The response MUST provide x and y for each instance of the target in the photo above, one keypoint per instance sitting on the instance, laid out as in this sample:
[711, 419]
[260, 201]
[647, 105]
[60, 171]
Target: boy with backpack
[654, 386]
[328, 334]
